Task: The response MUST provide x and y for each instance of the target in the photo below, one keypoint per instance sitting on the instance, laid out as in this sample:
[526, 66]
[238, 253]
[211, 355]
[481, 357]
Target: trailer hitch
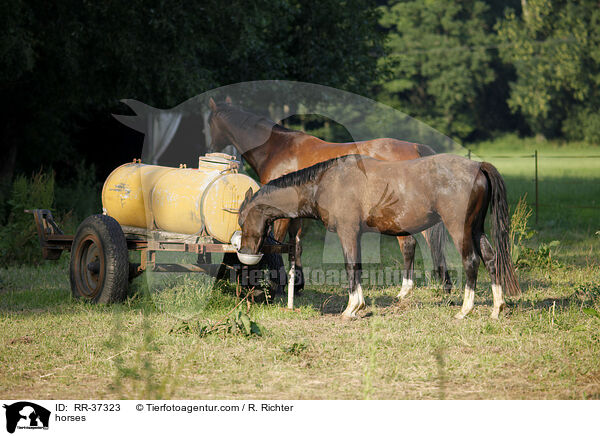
[52, 239]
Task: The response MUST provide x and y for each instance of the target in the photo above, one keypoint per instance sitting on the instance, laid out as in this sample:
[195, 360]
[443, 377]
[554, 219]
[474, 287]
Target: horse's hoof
[459, 315]
[349, 317]
[496, 311]
[403, 293]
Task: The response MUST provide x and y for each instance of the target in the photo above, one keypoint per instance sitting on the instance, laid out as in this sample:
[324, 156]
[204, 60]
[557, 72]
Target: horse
[273, 150]
[356, 194]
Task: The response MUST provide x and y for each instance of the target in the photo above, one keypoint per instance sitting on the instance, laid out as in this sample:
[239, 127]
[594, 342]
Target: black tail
[436, 237]
[437, 241]
[500, 230]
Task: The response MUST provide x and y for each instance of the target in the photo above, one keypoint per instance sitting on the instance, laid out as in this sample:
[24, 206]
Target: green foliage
[587, 291]
[555, 49]
[71, 203]
[540, 257]
[79, 198]
[439, 61]
[522, 255]
[238, 323]
[591, 312]
[18, 243]
[583, 124]
[519, 231]
[295, 349]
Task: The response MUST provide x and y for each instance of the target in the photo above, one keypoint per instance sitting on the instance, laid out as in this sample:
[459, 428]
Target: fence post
[537, 200]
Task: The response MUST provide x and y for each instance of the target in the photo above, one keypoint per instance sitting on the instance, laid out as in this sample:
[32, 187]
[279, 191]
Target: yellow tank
[126, 193]
[181, 200]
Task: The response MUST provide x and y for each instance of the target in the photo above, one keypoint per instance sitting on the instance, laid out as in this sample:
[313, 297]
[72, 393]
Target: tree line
[473, 68]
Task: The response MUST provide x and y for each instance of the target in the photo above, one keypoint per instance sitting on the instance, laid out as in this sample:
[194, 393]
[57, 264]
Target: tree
[440, 61]
[555, 48]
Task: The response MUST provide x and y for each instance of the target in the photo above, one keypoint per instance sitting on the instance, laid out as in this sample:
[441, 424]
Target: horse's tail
[437, 241]
[500, 230]
[436, 235]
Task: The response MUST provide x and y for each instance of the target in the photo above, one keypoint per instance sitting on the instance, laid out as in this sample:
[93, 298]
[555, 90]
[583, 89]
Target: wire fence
[536, 158]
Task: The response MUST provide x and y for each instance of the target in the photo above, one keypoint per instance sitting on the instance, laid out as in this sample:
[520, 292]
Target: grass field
[545, 346]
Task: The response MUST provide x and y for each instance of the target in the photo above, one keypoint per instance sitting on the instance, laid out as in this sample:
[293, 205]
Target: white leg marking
[468, 303]
[356, 302]
[361, 298]
[499, 303]
[349, 312]
[407, 286]
[291, 279]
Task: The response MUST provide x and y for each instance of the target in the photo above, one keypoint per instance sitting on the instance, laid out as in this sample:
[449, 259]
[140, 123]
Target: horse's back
[427, 177]
[310, 150]
[443, 163]
[390, 149]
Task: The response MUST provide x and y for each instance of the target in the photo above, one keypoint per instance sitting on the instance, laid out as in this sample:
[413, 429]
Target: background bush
[70, 204]
[18, 243]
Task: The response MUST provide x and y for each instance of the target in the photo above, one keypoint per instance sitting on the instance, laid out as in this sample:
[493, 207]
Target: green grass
[545, 346]
[568, 188]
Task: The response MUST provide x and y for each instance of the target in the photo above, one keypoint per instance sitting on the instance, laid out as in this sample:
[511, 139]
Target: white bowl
[249, 259]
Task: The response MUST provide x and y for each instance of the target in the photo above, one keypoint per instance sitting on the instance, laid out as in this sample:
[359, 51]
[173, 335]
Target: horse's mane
[296, 178]
[303, 176]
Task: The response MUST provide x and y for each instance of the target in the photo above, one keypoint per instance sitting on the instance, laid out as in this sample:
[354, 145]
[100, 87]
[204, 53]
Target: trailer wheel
[99, 261]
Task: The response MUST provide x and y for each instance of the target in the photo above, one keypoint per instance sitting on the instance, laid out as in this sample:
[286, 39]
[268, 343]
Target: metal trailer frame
[53, 242]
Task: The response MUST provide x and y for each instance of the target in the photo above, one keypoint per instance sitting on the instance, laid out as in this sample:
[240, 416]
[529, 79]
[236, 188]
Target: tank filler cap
[225, 161]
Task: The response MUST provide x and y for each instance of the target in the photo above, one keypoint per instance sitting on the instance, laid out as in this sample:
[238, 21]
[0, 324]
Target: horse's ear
[212, 104]
[228, 100]
[247, 198]
[249, 194]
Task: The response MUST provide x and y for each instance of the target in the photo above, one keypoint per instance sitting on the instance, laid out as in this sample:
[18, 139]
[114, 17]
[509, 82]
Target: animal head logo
[24, 414]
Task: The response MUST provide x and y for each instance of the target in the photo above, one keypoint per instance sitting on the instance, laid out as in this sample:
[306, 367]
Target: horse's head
[218, 130]
[253, 225]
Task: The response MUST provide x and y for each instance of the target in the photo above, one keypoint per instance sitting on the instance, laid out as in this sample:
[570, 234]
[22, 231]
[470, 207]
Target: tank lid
[226, 160]
[220, 155]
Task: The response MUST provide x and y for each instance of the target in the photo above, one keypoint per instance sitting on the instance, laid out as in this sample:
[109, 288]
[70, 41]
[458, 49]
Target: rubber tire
[100, 236]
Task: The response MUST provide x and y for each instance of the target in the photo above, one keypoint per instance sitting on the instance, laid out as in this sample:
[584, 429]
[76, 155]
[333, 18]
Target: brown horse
[356, 194]
[273, 150]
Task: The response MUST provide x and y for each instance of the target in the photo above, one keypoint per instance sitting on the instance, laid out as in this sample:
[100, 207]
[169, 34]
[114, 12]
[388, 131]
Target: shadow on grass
[330, 302]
